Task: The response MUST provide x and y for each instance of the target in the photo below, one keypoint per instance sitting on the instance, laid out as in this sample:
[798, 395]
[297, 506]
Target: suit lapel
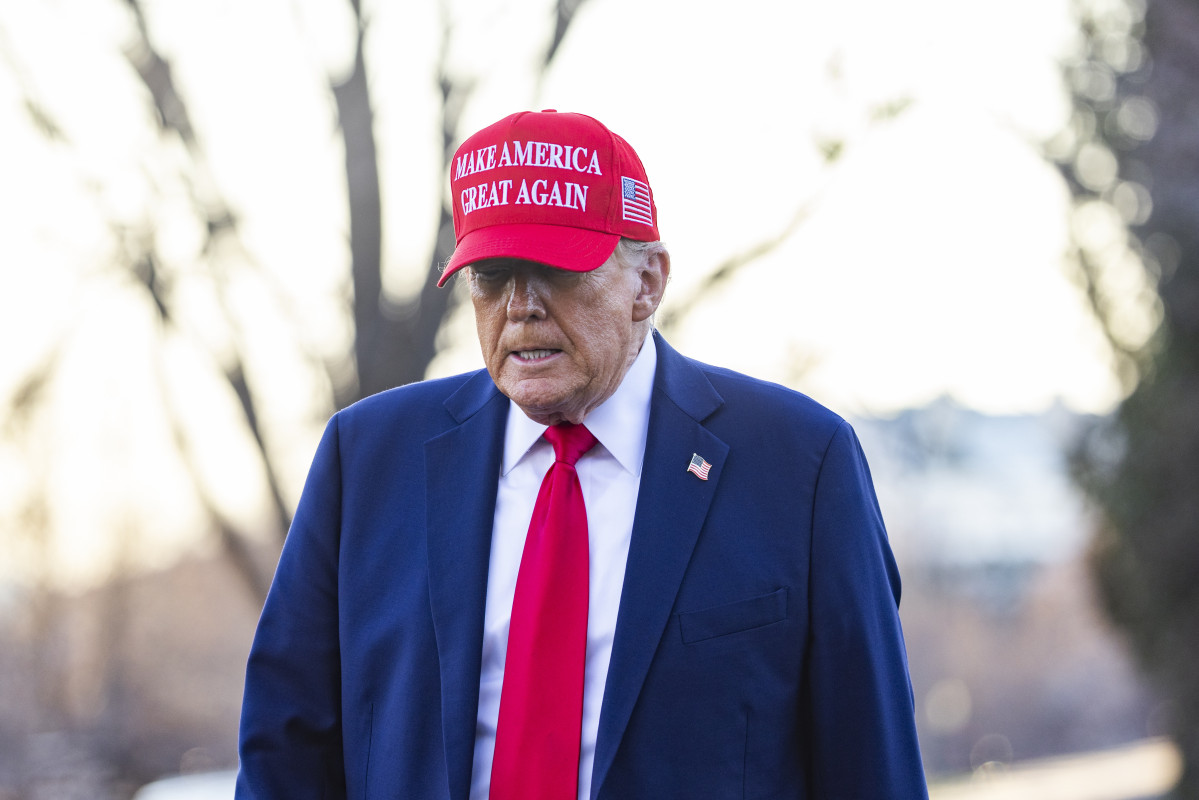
[461, 470]
[671, 508]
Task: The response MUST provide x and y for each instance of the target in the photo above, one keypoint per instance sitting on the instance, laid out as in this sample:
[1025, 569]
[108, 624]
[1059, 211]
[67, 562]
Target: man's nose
[525, 299]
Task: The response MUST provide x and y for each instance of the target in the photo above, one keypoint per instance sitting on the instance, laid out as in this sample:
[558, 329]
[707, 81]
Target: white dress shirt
[610, 475]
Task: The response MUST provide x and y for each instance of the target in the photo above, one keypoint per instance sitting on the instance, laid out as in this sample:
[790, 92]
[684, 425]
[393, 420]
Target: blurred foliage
[393, 338]
[1132, 160]
[102, 691]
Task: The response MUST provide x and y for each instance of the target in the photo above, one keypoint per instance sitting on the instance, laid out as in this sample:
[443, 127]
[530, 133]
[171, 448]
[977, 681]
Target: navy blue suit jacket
[758, 651]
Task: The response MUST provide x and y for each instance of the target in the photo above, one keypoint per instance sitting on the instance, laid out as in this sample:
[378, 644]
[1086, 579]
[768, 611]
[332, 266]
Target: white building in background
[959, 488]
[201, 786]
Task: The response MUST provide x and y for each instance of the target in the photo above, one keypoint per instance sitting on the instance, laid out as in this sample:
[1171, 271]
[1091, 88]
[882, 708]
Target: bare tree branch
[233, 541]
[356, 119]
[833, 151]
[220, 223]
[155, 73]
[39, 115]
[565, 11]
[728, 268]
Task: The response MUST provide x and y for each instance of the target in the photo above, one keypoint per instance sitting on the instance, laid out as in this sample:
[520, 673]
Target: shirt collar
[619, 423]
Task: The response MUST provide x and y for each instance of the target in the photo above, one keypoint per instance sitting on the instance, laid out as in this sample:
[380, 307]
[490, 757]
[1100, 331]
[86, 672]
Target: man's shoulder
[745, 396]
[420, 403]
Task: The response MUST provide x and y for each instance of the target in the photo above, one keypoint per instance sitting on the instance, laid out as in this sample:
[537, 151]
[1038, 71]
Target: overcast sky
[931, 259]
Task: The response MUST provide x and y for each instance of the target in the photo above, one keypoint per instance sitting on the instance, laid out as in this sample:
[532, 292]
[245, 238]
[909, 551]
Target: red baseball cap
[556, 188]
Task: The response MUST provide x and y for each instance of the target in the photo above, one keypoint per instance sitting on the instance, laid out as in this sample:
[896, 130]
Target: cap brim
[573, 249]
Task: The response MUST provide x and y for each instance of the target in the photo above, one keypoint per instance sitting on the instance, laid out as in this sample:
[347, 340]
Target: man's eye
[490, 275]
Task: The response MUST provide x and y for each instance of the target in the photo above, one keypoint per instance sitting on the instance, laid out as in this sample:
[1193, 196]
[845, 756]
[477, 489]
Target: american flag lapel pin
[699, 467]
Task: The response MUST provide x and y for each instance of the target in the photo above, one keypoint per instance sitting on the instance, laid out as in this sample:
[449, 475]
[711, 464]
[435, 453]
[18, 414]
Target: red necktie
[541, 701]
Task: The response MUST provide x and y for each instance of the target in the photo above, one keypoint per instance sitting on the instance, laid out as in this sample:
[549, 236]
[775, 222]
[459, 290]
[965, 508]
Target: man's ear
[653, 277]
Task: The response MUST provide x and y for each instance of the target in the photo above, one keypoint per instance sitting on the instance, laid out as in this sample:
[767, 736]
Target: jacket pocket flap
[743, 615]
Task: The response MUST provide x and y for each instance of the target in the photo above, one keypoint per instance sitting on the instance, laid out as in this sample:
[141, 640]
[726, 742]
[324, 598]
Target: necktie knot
[570, 441]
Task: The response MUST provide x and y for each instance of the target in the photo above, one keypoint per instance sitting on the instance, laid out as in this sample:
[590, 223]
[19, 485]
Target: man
[683, 589]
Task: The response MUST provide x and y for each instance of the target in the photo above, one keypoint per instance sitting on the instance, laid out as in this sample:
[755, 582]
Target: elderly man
[597, 569]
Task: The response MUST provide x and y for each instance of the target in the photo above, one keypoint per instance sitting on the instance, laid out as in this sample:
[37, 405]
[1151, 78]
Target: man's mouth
[530, 356]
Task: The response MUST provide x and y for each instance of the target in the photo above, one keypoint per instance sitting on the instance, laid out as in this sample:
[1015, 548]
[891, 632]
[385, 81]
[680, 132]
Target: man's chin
[543, 407]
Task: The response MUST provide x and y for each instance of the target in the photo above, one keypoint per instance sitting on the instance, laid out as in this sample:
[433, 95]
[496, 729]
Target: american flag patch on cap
[635, 205]
[699, 467]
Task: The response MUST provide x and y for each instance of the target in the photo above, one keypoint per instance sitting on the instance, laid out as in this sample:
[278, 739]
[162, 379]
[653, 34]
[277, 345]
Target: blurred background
[971, 228]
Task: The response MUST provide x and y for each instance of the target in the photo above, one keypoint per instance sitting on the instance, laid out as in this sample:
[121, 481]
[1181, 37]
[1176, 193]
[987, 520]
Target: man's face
[557, 342]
